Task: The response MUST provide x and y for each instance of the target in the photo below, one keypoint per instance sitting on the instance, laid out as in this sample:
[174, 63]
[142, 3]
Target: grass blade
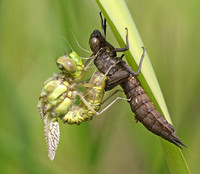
[118, 17]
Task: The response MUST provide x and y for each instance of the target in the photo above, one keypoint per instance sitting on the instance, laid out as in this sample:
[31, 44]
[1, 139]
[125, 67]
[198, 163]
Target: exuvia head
[96, 41]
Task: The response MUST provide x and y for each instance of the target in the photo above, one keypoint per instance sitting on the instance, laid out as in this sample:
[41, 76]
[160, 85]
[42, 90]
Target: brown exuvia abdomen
[146, 112]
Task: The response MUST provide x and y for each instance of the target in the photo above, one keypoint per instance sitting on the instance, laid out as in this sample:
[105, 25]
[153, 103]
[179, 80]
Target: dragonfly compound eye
[66, 64]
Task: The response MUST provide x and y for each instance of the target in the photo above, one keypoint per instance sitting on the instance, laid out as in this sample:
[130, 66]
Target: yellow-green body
[59, 94]
[93, 96]
[56, 97]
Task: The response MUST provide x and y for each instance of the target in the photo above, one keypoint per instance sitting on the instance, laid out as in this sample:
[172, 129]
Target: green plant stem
[118, 17]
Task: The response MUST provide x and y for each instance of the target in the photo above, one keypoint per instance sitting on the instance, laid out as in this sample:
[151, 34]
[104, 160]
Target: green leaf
[119, 17]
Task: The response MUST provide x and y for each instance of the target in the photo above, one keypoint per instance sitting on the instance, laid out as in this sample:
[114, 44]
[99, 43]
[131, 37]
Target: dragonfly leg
[118, 98]
[127, 44]
[111, 95]
[103, 26]
[86, 103]
[87, 65]
[95, 112]
[105, 75]
[88, 60]
[129, 69]
[92, 58]
[85, 84]
[89, 83]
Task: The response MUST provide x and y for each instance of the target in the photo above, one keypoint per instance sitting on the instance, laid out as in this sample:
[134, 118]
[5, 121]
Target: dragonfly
[122, 74]
[59, 94]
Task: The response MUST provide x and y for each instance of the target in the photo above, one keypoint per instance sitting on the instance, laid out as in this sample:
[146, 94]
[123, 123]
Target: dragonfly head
[96, 41]
[70, 64]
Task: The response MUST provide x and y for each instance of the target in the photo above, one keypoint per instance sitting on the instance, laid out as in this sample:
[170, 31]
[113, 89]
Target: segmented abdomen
[146, 113]
[94, 95]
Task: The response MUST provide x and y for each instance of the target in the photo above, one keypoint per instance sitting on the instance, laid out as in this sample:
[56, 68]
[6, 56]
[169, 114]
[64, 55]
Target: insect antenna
[68, 44]
[78, 42]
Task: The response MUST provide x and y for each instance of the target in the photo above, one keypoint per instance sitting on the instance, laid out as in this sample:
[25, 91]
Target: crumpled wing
[52, 134]
[40, 107]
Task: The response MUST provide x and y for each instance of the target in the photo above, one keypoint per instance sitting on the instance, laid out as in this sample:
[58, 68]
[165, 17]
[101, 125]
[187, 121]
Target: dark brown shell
[140, 103]
[146, 112]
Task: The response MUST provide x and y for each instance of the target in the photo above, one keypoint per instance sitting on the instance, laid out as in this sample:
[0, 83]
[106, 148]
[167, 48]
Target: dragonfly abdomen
[146, 113]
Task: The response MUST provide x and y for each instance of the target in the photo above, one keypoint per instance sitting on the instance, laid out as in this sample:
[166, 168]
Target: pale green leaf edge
[118, 17]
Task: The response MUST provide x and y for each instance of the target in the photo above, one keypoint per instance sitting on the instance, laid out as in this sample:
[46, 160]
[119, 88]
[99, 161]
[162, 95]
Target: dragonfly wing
[41, 108]
[52, 134]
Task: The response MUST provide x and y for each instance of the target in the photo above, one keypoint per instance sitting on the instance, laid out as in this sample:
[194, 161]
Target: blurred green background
[31, 37]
